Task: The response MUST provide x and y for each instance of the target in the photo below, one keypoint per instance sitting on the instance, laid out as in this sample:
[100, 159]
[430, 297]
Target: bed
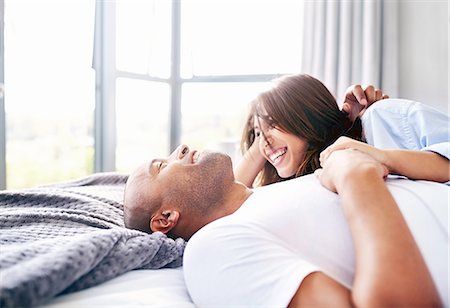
[65, 245]
[148, 288]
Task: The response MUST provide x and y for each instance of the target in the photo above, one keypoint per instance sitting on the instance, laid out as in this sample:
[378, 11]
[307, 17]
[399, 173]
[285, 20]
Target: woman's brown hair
[300, 105]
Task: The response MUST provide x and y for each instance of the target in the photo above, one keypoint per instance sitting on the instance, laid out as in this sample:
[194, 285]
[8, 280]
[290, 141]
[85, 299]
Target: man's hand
[344, 165]
[357, 98]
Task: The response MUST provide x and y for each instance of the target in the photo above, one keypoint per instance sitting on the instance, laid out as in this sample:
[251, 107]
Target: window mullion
[175, 78]
[105, 64]
[2, 101]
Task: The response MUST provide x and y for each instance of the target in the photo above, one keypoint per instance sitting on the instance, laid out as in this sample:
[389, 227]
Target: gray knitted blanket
[70, 236]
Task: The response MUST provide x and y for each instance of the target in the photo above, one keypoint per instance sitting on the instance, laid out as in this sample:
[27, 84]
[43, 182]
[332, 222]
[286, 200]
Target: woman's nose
[266, 142]
[263, 141]
[265, 138]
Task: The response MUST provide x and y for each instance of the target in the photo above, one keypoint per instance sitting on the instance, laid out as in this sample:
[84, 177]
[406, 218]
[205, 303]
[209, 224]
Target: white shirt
[259, 255]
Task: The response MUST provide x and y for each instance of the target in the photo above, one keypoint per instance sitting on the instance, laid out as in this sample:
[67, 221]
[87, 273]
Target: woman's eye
[257, 133]
[272, 125]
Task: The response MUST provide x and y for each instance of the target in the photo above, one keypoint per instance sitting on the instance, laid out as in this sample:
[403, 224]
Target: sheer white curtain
[351, 41]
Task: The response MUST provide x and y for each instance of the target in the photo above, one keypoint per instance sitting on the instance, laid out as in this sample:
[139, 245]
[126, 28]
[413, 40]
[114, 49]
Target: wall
[423, 34]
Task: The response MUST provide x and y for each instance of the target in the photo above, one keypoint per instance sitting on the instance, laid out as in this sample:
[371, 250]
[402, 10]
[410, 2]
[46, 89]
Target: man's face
[189, 180]
[190, 172]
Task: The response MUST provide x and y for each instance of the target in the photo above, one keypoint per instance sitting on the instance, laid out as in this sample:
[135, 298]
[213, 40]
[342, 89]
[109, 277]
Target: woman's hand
[343, 143]
[348, 165]
[250, 165]
[254, 150]
[414, 164]
[357, 98]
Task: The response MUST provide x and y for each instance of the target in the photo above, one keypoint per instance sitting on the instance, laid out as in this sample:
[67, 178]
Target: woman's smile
[277, 155]
[284, 151]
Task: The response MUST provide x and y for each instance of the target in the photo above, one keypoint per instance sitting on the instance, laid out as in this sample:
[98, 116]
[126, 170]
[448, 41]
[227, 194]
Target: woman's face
[285, 151]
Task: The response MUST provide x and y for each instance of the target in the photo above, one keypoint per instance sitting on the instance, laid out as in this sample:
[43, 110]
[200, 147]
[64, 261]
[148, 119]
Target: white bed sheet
[149, 288]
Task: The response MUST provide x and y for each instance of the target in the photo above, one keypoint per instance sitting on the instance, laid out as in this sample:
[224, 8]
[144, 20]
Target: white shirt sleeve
[231, 267]
[405, 124]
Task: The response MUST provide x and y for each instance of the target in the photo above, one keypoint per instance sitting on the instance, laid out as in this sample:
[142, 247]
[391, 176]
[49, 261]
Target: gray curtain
[350, 41]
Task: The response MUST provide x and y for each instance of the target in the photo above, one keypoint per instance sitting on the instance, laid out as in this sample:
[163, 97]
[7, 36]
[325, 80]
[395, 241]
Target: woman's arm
[416, 165]
[250, 165]
[390, 270]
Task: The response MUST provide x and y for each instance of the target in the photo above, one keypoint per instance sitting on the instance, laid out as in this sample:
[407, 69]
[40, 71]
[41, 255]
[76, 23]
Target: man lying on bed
[295, 242]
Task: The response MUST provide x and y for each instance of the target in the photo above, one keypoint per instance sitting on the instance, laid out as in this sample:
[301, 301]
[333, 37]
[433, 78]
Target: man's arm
[319, 290]
[390, 270]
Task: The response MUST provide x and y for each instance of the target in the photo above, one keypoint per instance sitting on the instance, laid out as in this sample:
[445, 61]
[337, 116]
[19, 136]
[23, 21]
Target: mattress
[149, 288]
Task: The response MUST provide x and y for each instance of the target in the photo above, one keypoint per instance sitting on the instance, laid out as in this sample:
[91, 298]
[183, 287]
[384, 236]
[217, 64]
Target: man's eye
[161, 165]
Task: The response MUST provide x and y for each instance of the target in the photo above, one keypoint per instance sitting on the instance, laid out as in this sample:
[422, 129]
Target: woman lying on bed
[296, 125]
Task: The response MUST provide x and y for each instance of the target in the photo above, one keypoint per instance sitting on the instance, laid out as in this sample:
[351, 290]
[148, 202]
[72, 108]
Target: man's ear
[164, 221]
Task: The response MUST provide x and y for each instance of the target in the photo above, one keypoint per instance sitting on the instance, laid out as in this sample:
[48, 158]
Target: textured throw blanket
[70, 236]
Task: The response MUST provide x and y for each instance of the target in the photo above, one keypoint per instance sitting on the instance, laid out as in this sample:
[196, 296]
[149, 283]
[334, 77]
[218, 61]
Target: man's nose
[180, 152]
[183, 150]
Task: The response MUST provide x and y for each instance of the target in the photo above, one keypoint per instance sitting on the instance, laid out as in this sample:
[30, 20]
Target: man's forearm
[389, 266]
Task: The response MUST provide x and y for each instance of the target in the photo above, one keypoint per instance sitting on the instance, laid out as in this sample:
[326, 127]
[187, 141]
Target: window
[142, 121]
[49, 91]
[223, 53]
[166, 72]
[233, 37]
[219, 106]
[143, 46]
[143, 37]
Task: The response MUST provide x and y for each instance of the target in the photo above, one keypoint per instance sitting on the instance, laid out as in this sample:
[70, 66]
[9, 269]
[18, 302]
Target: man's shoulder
[214, 244]
[217, 231]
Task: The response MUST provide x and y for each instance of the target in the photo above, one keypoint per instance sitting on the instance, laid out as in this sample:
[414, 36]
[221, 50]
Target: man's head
[179, 194]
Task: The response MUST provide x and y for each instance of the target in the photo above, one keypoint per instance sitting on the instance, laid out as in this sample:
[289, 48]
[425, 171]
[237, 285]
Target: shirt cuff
[442, 148]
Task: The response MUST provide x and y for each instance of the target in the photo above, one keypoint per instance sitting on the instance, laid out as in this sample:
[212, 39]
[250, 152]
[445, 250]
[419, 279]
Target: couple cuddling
[258, 240]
